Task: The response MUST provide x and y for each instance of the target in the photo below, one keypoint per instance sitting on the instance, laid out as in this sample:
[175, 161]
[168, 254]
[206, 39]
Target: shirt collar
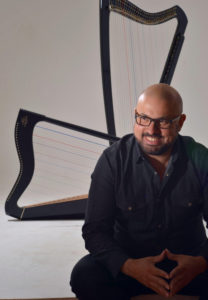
[139, 153]
[176, 152]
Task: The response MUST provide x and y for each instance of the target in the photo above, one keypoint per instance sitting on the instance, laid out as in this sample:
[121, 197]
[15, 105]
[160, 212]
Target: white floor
[37, 257]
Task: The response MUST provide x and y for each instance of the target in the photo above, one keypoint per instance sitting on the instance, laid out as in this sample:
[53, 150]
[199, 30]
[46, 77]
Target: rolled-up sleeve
[98, 229]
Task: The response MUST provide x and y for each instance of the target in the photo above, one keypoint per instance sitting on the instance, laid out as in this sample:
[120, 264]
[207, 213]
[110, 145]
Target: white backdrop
[50, 63]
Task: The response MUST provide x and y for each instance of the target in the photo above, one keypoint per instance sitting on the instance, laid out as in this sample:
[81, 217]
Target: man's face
[152, 139]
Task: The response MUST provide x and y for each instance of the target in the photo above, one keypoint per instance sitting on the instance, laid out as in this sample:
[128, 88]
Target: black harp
[131, 11]
[67, 208]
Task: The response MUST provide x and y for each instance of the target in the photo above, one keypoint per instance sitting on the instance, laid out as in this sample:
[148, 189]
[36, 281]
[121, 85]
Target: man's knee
[87, 275]
[79, 275]
[91, 281]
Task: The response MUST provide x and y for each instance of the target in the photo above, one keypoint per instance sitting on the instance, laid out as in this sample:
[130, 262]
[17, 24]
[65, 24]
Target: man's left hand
[188, 267]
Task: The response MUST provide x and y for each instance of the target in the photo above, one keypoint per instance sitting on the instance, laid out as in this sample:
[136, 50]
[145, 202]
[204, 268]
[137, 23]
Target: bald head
[165, 93]
[162, 104]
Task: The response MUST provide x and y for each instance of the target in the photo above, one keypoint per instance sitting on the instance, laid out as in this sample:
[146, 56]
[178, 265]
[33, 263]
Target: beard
[155, 150]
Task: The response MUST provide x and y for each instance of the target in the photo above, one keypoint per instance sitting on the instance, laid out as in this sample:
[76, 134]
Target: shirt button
[159, 226]
[167, 174]
[190, 204]
[155, 173]
[130, 208]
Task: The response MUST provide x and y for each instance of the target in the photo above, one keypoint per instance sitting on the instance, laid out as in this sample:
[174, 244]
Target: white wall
[50, 64]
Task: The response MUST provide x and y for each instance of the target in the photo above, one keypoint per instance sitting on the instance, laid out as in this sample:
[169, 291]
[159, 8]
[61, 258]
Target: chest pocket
[185, 208]
[132, 216]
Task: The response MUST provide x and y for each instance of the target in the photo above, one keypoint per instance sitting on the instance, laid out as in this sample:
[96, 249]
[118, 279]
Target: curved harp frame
[131, 11]
[68, 208]
[74, 207]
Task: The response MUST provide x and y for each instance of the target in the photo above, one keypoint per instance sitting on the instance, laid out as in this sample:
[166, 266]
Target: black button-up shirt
[132, 213]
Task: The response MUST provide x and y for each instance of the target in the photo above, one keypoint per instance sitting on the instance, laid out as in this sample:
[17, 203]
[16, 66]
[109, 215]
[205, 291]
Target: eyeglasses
[161, 122]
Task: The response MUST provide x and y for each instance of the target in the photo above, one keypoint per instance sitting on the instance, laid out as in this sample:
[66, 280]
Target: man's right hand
[145, 271]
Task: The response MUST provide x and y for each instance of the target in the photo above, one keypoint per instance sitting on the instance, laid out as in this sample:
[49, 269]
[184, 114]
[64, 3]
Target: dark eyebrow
[143, 115]
[162, 118]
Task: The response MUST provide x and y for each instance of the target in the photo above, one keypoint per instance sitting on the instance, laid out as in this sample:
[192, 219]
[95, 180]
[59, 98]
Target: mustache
[152, 135]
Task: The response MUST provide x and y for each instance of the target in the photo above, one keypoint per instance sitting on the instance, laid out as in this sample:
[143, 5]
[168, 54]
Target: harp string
[64, 143]
[61, 159]
[138, 55]
[66, 134]
[62, 150]
[60, 175]
[64, 162]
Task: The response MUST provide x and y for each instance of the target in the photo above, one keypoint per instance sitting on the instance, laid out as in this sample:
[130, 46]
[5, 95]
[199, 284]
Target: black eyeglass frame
[169, 122]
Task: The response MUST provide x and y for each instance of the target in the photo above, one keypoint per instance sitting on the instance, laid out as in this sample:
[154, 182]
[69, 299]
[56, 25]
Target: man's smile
[152, 140]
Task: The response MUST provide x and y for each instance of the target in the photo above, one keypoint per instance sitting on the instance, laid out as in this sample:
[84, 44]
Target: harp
[36, 135]
[128, 12]
[27, 138]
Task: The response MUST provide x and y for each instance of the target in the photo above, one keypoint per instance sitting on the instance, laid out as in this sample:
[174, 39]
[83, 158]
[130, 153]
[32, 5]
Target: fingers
[162, 283]
[171, 255]
[179, 279]
[161, 291]
[157, 271]
[160, 286]
[176, 284]
[151, 276]
[159, 258]
[176, 281]
[175, 272]
[160, 273]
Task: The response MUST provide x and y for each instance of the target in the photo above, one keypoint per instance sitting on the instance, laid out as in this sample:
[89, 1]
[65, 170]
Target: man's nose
[154, 127]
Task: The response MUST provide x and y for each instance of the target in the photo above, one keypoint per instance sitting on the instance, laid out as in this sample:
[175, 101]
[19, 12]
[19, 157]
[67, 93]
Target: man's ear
[181, 121]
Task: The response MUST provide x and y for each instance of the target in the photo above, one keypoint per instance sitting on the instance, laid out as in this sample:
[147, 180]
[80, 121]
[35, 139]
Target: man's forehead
[161, 97]
[156, 106]
[151, 99]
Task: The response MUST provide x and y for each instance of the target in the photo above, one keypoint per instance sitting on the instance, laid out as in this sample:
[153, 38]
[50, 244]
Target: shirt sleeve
[98, 229]
[201, 162]
[204, 248]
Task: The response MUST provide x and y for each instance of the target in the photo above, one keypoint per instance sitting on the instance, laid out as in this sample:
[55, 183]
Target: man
[143, 225]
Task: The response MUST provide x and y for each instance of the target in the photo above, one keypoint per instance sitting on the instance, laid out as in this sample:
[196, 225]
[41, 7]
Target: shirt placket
[160, 206]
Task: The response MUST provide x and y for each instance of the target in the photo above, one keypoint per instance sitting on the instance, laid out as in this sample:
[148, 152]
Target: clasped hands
[165, 284]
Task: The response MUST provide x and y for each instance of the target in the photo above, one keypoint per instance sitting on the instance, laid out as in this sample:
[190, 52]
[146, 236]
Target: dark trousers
[91, 281]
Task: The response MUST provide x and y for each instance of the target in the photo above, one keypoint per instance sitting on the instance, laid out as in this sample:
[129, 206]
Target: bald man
[144, 220]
